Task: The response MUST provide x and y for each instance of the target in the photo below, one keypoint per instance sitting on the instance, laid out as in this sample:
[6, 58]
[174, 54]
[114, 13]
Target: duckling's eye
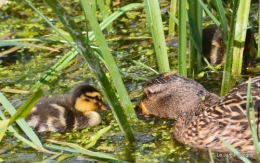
[97, 98]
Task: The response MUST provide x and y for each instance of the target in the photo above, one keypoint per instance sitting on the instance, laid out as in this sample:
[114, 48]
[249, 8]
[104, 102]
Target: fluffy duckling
[203, 119]
[214, 49]
[67, 113]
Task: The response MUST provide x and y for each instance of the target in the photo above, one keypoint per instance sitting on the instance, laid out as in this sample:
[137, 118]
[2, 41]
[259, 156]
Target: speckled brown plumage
[203, 119]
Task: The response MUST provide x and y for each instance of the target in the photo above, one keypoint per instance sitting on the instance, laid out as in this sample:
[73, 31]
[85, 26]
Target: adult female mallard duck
[203, 119]
[69, 112]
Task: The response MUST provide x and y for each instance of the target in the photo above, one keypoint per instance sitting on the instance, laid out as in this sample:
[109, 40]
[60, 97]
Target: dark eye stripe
[94, 98]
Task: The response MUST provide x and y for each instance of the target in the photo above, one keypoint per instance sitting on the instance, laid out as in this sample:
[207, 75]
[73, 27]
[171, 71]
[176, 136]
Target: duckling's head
[86, 98]
[169, 95]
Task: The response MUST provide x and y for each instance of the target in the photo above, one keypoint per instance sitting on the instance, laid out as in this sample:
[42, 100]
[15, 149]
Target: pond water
[23, 68]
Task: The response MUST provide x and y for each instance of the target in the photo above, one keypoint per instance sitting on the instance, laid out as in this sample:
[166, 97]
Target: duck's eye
[148, 92]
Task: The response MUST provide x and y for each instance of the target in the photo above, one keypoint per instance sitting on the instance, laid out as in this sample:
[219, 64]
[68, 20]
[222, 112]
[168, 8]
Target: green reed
[195, 22]
[240, 35]
[173, 10]
[154, 21]
[182, 56]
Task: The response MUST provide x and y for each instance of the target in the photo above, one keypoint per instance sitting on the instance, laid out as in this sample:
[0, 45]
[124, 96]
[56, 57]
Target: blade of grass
[95, 137]
[214, 19]
[226, 80]
[182, 56]
[3, 128]
[252, 120]
[210, 156]
[195, 21]
[154, 21]
[31, 144]
[240, 35]
[23, 125]
[173, 10]
[242, 157]
[26, 108]
[222, 15]
[104, 12]
[85, 151]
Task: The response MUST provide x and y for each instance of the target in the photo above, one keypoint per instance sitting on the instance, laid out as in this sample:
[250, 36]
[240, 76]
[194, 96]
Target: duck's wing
[226, 121]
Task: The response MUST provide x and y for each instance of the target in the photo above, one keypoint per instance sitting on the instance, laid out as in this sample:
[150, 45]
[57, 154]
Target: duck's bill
[104, 106]
[142, 109]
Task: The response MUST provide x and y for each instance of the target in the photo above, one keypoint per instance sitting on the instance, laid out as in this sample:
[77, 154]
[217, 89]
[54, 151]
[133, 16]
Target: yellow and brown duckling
[203, 119]
[69, 112]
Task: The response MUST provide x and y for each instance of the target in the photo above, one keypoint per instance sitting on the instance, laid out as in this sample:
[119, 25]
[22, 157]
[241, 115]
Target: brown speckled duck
[69, 112]
[203, 119]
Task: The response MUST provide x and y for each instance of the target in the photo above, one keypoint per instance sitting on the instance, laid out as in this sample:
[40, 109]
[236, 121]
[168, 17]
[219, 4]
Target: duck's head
[86, 98]
[169, 95]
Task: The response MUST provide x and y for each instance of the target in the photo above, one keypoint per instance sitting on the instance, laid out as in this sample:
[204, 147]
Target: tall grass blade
[251, 119]
[104, 12]
[26, 108]
[210, 156]
[154, 21]
[22, 124]
[3, 127]
[81, 150]
[222, 15]
[258, 45]
[235, 151]
[225, 87]
[240, 35]
[195, 21]
[97, 135]
[182, 56]
[173, 10]
[87, 52]
[214, 19]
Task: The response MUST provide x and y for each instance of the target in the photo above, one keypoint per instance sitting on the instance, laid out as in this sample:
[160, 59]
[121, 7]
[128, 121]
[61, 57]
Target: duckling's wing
[52, 115]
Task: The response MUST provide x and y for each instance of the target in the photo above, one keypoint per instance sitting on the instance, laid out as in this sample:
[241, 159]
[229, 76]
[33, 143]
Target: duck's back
[226, 120]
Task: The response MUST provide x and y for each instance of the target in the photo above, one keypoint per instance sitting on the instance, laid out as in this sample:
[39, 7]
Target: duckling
[214, 49]
[69, 112]
[203, 119]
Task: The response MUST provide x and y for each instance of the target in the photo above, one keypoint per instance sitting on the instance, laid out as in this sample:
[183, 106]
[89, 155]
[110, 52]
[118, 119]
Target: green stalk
[225, 87]
[21, 122]
[258, 44]
[104, 12]
[173, 7]
[240, 33]
[195, 20]
[154, 21]
[83, 45]
[182, 57]
[252, 125]
[222, 16]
